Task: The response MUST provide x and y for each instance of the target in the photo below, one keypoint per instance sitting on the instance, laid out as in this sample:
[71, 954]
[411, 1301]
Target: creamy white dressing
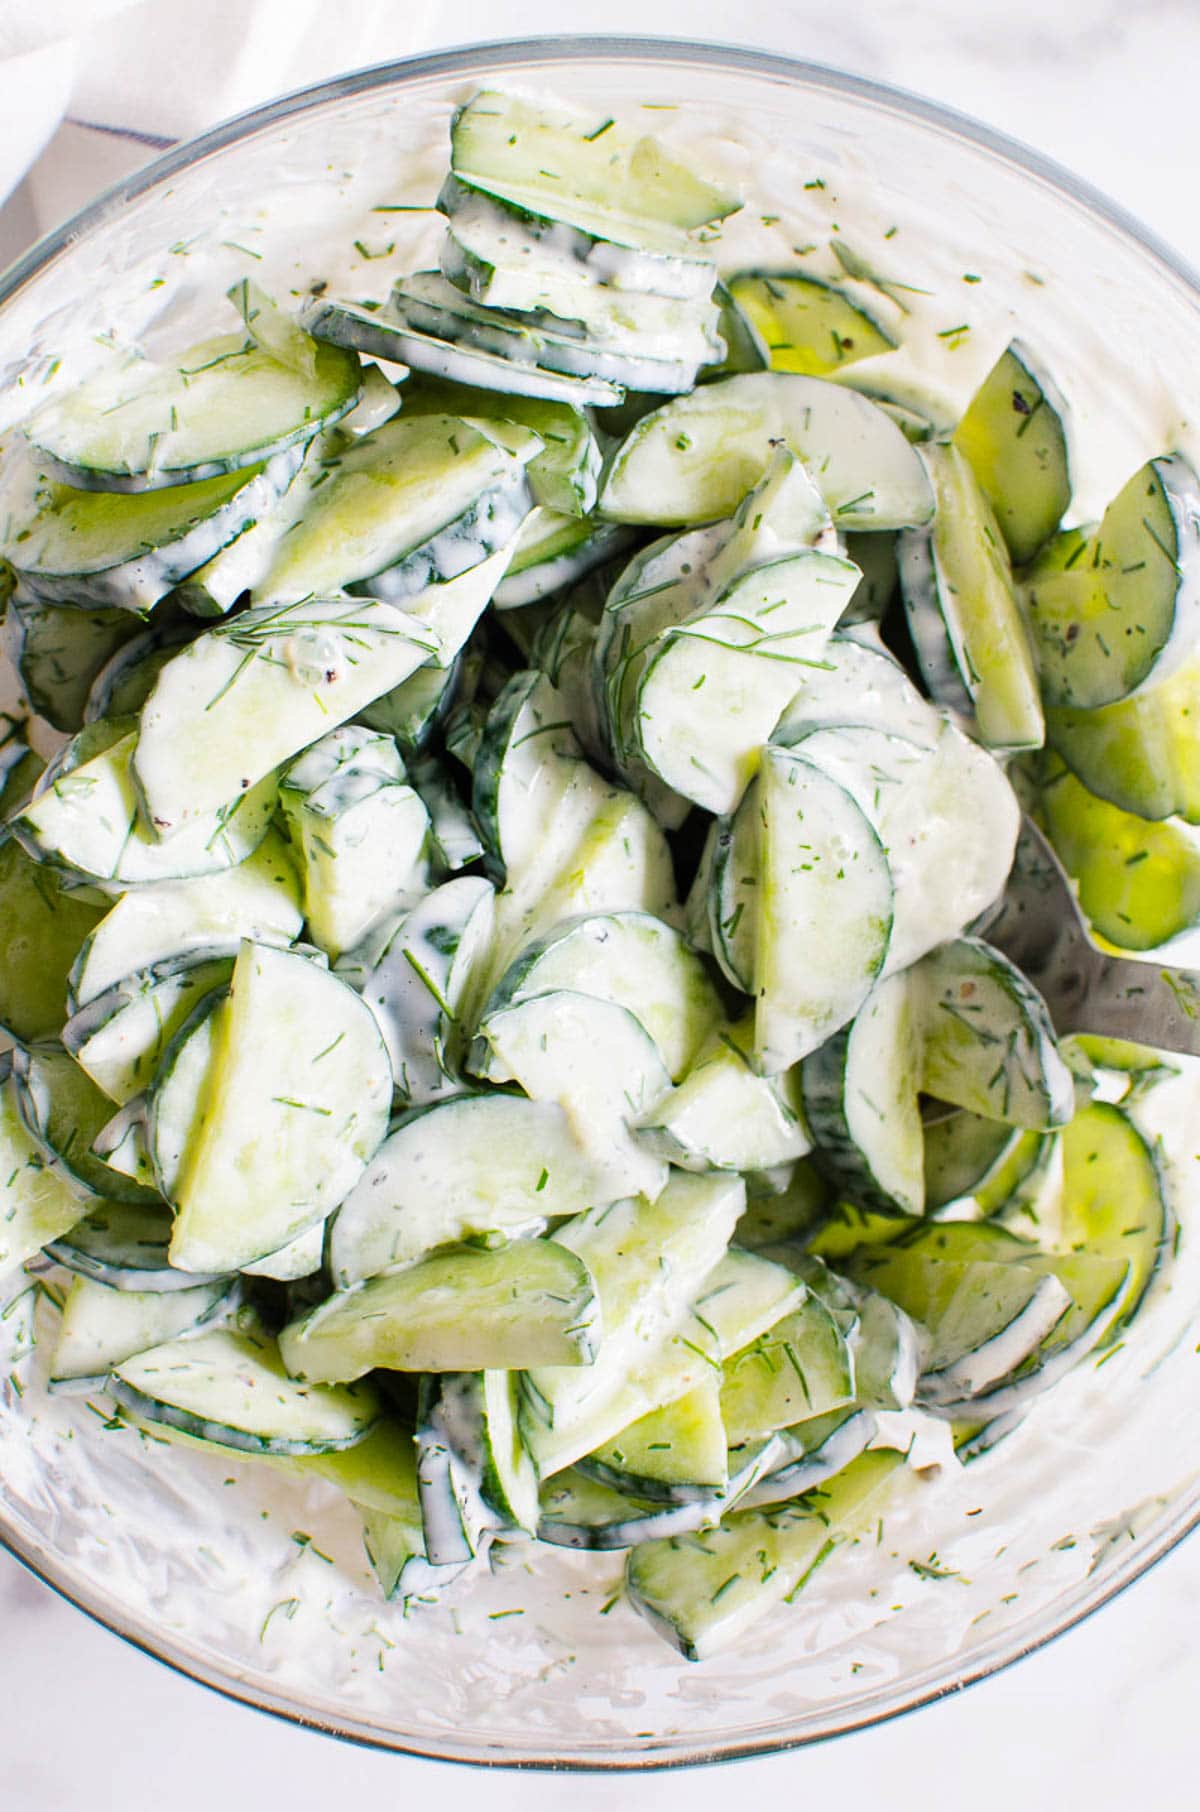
[203, 1550]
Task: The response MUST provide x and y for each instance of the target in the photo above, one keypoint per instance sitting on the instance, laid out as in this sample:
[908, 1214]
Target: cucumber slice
[64, 1111]
[632, 960]
[979, 1165]
[102, 1327]
[723, 1116]
[299, 1258]
[38, 1202]
[744, 347]
[124, 1146]
[804, 323]
[554, 550]
[293, 1109]
[707, 1591]
[360, 833]
[243, 697]
[395, 1547]
[693, 459]
[474, 1165]
[576, 1511]
[58, 653]
[677, 1454]
[1013, 434]
[986, 1038]
[776, 1217]
[860, 1096]
[858, 682]
[1114, 1203]
[476, 1412]
[41, 930]
[1127, 614]
[816, 1450]
[590, 174]
[418, 973]
[947, 818]
[86, 820]
[225, 404]
[875, 557]
[20, 771]
[886, 1349]
[528, 1303]
[260, 898]
[123, 1245]
[961, 567]
[799, 1368]
[564, 476]
[172, 1110]
[120, 1037]
[1138, 881]
[504, 253]
[1141, 754]
[648, 1260]
[96, 548]
[230, 1387]
[125, 682]
[598, 347]
[825, 884]
[381, 335]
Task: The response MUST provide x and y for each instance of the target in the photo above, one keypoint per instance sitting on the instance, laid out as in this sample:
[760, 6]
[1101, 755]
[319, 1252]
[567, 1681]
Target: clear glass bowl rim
[472, 60]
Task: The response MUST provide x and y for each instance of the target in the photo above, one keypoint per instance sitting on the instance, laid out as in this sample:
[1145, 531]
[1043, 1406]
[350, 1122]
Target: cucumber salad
[496, 969]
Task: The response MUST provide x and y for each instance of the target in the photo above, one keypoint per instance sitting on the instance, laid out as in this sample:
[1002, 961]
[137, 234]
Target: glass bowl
[195, 1559]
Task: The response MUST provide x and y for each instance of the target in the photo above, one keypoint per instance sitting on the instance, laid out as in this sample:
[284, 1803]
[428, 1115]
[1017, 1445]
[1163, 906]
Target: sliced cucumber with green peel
[634, 961]
[553, 551]
[102, 1327]
[576, 1511]
[230, 1387]
[1142, 754]
[1127, 614]
[260, 899]
[38, 1203]
[1114, 1203]
[1014, 436]
[886, 1348]
[59, 652]
[245, 696]
[282, 1138]
[986, 1038]
[395, 1547]
[123, 1245]
[813, 1452]
[825, 882]
[960, 566]
[705, 1591]
[475, 1165]
[979, 1164]
[97, 548]
[695, 458]
[224, 404]
[588, 173]
[860, 1098]
[564, 476]
[476, 1412]
[799, 1368]
[87, 820]
[41, 930]
[528, 1303]
[804, 323]
[419, 973]
[1138, 880]
[381, 335]
[64, 1111]
[724, 1116]
[856, 682]
[677, 1454]
[360, 832]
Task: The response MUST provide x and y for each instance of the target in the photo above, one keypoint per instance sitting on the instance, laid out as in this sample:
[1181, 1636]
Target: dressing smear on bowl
[515, 686]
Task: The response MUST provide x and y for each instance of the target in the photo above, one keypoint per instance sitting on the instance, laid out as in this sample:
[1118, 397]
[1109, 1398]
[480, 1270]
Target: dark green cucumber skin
[834, 1153]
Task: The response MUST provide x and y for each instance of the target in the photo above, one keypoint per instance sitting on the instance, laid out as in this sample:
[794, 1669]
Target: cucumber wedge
[825, 884]
[123, 1245]
[260, 899]
[1141, 754]
[41, 930]
[813, 1451]
[674, 1455]
[243, 697]
[101, 1327]
[470, 1166]
[532, 1302]
[979, 1164]
[1114, 1202]
[576, 1511]
[799, 1368]
[588, 173]
[555, 550]
[230, 1387]
[1127, 614]
[723, 1116]
[704, 1593]
[222, 405]
[1014, 436]
[65, 1112]
[292, 1112]
[693, 459]
[38, 1203]
[804, 323]
[87, 820]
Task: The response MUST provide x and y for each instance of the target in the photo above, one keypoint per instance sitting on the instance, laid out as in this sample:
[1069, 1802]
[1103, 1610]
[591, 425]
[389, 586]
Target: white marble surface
[1104, 1717]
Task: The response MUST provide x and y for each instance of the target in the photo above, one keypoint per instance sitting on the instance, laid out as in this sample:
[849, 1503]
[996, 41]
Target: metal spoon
[1037, 923]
